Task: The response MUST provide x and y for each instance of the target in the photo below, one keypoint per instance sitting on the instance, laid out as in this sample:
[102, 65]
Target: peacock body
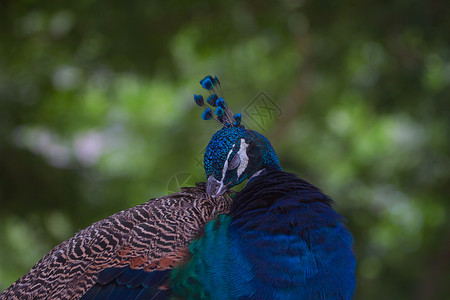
[279, 239]
[262, 249]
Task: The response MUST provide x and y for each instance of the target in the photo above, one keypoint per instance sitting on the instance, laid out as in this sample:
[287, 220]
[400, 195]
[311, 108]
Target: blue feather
[207, 83]
[220, 102]
[216, 80]
[110, 274]
[127, 283]
[237, 120]
[149, 294]
[207, 114]
[219, 111]
[155, 278]
[139, 279]
[126, 277]
[212, 99]
[104, 292]
[93, 292]
[123, 293]
[199, 100]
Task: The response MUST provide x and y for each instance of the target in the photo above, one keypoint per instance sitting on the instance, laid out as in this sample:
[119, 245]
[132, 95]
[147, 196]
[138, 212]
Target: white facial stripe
[244, 158]
[224, 170]
[225, 165]
[242, 166]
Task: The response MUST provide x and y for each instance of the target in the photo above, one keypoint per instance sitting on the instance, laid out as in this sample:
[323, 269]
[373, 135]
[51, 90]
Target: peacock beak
[215, 187]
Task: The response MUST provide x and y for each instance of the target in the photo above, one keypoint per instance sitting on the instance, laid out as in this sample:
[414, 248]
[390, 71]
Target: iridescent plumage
[281, 240]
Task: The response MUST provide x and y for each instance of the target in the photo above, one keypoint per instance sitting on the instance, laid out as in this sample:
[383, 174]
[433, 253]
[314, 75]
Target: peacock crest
[222, 112]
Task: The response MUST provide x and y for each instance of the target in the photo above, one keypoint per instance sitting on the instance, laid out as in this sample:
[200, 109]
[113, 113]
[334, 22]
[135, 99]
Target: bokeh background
[96, 115]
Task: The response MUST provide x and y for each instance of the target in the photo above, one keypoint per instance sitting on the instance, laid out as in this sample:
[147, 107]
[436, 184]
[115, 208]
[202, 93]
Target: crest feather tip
[199, 100]
[207, 114]
[212, 100]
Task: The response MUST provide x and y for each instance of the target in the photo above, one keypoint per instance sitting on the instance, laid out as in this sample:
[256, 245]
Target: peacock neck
[269, 185]
[262, 152]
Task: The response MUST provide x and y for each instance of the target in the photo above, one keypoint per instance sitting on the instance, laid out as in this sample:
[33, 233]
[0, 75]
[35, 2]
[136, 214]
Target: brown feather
[150, 236]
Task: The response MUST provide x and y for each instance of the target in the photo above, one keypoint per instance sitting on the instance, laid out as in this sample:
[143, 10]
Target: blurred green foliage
[96, 115]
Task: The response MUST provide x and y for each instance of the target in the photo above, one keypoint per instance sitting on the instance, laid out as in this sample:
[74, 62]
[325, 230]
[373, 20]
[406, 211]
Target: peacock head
[234, 153]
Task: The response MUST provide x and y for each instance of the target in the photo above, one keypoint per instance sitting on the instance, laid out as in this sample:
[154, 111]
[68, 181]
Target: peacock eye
[234, 163]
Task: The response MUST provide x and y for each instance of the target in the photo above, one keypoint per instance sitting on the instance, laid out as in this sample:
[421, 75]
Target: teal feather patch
[212, 267]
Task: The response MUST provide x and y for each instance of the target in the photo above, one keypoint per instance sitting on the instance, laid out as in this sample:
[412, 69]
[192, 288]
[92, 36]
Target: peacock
[278, 238]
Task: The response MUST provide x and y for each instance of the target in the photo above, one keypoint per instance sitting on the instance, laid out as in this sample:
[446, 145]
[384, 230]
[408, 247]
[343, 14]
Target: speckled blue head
[234, 155]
